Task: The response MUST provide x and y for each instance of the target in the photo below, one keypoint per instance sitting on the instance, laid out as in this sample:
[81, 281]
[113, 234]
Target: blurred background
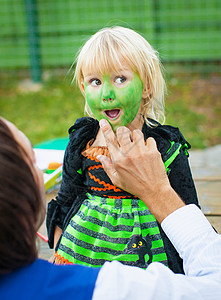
[39, 40]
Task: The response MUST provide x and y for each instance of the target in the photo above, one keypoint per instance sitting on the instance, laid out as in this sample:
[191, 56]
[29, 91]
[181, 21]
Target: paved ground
[206, 169]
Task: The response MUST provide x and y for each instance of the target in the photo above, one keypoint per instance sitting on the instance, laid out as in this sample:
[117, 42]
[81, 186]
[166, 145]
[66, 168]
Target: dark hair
[20, 204]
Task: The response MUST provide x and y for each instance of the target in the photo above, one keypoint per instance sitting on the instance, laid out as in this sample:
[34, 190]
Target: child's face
[115, 96]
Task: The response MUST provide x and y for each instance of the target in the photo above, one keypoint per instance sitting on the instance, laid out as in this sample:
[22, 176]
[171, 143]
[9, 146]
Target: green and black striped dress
[110, 225]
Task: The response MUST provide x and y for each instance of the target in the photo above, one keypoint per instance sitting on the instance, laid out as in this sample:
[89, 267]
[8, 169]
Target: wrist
[163, 202]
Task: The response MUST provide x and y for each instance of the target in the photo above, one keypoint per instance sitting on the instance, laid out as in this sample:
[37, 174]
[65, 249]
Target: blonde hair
[110, 47]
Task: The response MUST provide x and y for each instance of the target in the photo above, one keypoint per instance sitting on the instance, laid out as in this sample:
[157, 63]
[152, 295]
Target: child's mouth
[112, 114]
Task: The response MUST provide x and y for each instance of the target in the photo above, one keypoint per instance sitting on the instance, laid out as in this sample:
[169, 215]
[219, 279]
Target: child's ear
[146, 93]
[82, 88]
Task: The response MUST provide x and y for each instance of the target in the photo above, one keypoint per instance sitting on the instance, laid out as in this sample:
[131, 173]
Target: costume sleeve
[71, 187]
[172, 143]
[181, 179]
[169, 138]
[180, 175]
[182, 182]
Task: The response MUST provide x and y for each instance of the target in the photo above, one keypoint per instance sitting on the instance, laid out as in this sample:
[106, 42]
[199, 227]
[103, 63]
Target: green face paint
[116, 99]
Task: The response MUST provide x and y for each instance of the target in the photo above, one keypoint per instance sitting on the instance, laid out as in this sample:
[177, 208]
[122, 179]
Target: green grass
[191, 105]
[46, 114]
[189, 122]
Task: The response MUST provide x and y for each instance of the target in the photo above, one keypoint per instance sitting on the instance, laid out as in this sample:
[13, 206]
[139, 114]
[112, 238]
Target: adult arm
[198, 245]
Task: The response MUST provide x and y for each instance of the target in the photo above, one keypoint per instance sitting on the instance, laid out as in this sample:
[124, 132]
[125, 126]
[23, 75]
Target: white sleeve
[198, 245]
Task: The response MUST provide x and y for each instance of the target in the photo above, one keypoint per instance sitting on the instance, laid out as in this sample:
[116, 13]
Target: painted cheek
[131, 94]
[95, 104]
[130, 98]
[92, 96]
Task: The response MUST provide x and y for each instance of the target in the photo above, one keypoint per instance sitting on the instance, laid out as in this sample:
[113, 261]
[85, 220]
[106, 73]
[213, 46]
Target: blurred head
[109, 50]
[22, 208]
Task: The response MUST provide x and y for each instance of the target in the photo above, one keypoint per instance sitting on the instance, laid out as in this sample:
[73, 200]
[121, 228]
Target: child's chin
[115, 126]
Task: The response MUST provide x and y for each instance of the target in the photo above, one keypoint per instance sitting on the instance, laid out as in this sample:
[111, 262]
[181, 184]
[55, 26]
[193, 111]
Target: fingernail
[100, 157]
[103, 122]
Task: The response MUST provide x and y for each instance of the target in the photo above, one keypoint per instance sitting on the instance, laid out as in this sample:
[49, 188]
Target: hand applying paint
[126, 169]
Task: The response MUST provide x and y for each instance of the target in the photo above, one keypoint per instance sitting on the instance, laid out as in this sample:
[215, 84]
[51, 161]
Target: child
[120, 77]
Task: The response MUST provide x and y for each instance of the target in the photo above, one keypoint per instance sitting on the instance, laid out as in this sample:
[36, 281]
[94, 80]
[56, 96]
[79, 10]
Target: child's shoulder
[83, 130]
[164, 135]
[84, 124]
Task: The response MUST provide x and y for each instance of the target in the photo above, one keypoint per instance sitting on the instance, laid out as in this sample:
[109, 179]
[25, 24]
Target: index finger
[109, 135]
[151, 144]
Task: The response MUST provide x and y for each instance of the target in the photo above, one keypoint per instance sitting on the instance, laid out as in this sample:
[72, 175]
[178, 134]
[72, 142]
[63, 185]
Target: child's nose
[108, 92]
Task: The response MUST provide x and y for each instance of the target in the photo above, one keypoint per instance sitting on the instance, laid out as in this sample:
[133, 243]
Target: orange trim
[105, 189]
[60, 260]
[95, 167]
[107, 185]
[95, 151]
[99, 189]
[93, 158]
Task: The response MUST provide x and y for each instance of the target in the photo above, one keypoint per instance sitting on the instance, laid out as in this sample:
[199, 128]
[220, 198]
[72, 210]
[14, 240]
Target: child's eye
[95, 82]
[120, 79]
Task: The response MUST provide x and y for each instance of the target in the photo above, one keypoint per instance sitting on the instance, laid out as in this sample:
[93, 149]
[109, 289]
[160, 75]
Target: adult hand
[137, 167]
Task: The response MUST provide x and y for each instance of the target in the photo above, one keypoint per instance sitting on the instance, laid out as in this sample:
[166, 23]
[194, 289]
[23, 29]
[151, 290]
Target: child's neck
[136, 124]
